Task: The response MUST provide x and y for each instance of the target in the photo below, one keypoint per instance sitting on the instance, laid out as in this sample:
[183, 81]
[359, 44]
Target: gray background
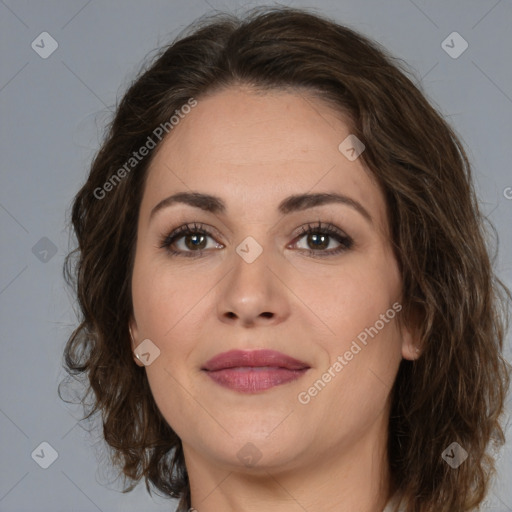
[52, 116]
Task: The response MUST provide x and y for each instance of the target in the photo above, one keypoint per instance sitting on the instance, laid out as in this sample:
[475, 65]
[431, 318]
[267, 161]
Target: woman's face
[249, 279]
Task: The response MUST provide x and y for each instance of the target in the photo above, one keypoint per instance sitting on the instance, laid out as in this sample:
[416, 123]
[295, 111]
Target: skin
[253, 150]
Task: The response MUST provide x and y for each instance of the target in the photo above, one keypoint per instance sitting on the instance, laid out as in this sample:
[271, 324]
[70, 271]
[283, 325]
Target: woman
[287, 299]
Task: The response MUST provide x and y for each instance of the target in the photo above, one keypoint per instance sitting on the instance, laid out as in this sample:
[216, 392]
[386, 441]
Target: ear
[132, 327]
[409, 328]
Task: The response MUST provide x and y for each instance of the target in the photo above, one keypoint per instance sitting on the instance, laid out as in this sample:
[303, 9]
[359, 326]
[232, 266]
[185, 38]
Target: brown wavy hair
[454, 392]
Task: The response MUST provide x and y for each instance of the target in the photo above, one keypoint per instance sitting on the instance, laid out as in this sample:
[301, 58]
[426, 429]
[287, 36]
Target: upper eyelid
[194, 227]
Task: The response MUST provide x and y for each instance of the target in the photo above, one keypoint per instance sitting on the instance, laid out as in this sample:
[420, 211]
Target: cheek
[168, 311]
[165, 296]
[363, 354]
[352, 296]
[169, 304]
[357, 305]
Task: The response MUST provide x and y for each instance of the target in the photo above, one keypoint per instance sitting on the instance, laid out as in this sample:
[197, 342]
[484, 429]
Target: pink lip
[252, 371]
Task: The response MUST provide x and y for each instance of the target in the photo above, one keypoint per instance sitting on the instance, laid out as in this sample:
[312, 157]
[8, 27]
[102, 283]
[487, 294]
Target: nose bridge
[251, 291]
[251, 261]
[254, 249]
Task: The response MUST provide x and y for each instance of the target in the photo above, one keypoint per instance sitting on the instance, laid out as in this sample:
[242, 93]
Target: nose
[252, 293]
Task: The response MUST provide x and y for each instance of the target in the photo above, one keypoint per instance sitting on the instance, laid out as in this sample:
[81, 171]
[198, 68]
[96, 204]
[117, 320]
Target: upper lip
[254, 358]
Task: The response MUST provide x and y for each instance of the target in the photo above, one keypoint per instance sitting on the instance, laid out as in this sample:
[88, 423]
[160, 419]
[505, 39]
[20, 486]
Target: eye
[319, 237]
[190, 239]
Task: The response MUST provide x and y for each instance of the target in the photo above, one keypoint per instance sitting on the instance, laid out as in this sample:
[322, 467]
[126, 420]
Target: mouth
[253, 371]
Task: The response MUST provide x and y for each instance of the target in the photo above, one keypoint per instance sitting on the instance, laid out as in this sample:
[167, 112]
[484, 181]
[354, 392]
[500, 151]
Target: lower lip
[253, 379]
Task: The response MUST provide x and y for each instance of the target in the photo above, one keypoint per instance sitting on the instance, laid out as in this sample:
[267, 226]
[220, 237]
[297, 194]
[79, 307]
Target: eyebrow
[294, 203]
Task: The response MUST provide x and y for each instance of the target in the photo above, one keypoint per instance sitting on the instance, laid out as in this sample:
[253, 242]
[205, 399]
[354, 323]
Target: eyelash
[330, 230]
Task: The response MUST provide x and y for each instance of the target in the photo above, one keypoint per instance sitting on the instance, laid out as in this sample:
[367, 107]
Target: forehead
[254, 149]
